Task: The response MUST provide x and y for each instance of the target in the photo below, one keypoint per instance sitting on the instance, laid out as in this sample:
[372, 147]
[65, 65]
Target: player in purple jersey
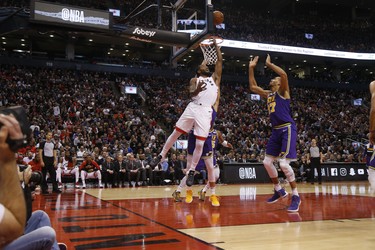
[370, 163]
[283, 140]
[371, 173]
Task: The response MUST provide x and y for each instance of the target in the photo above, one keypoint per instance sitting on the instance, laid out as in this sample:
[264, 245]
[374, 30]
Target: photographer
[38, 233]
[12, 204]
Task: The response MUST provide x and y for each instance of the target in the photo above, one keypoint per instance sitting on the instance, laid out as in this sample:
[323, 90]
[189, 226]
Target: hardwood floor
[331, 216]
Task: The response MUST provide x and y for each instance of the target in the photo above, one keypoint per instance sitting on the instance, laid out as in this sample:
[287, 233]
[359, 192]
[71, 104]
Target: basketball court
[332, 216]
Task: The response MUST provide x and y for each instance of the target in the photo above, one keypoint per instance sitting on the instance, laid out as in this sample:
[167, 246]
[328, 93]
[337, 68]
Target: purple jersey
[370, 161]
[283, 141]
[279, 109]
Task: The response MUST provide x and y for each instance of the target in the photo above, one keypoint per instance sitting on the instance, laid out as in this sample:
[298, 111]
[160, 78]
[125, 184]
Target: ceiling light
[90, 40]
[51, 35]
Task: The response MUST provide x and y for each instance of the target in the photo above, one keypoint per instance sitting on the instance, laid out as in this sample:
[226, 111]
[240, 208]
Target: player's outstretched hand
[253, 62]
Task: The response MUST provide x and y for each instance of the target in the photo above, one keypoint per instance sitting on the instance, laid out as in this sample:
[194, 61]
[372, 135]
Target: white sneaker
[84, 186]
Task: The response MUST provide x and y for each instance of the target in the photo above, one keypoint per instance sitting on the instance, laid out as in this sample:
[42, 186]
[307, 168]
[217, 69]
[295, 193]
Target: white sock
[295, 191]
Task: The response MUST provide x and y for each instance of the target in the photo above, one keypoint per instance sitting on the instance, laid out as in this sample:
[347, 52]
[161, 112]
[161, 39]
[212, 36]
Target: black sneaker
[190, 178]
[57, 191]
[155, 161]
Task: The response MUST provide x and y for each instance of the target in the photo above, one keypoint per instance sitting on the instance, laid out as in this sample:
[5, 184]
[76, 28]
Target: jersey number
[271, 104]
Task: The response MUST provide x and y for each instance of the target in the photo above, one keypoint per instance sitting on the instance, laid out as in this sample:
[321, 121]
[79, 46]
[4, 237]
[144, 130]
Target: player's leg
[202, 126]
[58, 176]
[183, 125]
[75, 171]
[83, 178]
[289, 151]
[209, 162]
[272, 152]
[371, 178]
[98, 175]
[177, 193]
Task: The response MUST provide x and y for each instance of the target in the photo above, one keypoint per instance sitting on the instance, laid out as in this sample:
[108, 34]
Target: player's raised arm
[252, 82]
[284, 85]
[218, 65]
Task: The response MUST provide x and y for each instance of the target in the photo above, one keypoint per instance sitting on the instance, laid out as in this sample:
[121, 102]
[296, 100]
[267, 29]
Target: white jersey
[208, 96]
[64, 164]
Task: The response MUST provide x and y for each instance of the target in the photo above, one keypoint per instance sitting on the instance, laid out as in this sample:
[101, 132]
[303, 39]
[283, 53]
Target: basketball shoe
[214, 200]
[155, 161]
[190, 178]
[277, 195]
[189, 196]
[177, 196]
[294, 206]
[202, 195]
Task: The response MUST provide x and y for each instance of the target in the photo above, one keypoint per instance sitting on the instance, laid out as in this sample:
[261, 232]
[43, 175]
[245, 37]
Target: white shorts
[93, 175]
[197, 116]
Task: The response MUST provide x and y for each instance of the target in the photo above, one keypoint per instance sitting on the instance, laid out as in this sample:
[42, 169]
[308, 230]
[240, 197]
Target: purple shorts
[283, 142]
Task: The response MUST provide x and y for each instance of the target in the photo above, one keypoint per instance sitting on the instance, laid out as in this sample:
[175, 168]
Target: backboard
[196, 20]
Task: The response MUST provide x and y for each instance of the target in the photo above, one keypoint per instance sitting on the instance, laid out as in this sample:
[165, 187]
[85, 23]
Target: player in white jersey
[203, 90]
[67, 166]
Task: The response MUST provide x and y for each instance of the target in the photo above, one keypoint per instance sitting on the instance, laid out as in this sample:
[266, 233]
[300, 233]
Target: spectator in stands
[121, 166]
[180, 168]
[110, 172]
[133, 170]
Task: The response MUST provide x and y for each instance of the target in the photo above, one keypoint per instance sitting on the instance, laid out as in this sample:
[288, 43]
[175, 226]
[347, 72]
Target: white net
[209, 50]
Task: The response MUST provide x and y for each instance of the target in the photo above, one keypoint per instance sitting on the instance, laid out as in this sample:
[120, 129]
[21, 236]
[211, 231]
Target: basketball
[218, 17]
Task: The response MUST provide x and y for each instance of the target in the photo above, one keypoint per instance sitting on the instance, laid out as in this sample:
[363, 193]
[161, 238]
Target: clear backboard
[196, 19]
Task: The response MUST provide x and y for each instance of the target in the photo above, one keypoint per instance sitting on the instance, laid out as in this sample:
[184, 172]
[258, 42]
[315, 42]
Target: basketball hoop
[209, 50]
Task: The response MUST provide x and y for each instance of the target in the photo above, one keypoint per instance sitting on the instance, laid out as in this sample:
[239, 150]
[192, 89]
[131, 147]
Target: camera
[20, 114]
[36, 176]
